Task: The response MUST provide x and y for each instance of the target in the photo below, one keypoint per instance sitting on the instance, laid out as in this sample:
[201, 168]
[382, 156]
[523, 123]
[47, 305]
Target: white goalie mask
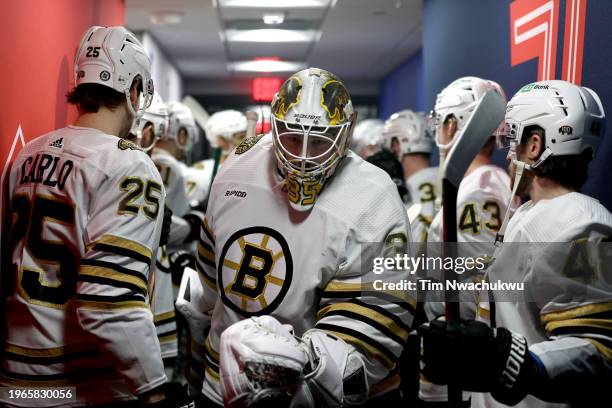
[312, 120]
[157, 116]
[458, 100]
[113, 57]
[182, 128]
[226, 129]
[571, 116]
[409, 130]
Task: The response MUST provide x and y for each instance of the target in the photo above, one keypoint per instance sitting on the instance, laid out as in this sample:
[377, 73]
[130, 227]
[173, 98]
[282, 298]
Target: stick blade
[486, 117]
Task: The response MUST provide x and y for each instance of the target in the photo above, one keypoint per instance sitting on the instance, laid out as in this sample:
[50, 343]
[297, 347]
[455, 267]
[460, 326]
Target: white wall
[166, 77]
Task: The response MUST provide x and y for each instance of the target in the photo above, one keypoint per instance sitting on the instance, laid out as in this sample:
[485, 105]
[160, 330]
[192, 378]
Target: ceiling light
[266, 65]
[164, 17]
[267, 35]
[285, 4]
[274, 18]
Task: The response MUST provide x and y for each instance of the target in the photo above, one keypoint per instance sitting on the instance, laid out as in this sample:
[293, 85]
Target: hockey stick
[487, 116]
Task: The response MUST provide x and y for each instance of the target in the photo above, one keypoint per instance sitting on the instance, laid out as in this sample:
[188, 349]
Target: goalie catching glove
[262, 362]
[476, 357]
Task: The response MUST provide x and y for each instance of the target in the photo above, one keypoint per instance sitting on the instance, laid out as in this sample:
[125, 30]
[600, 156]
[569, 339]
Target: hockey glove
[175, 397]
[166, 224]
[475, 357]
[261, 363]
[194, 218]
[179, 260]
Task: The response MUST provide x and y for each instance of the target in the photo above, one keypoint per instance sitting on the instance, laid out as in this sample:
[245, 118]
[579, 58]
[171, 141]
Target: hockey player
[224, 130]
[171, 146]
[550, 344]
[367, 137]
[483, 192]
[86, 208]
[482, 199]
[288, 218]
[405, 133]
[152, 125]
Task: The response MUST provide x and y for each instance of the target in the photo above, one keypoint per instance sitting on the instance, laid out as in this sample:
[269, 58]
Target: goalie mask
[153, 124]
[226, 129]
[113, 57]
[571, 116]
[406, 130]
[182, 128]
[312, 118]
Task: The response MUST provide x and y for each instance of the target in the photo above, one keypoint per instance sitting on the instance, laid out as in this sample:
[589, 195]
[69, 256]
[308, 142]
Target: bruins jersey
[86, 212]
[162, 306]
[424, 189]
[564, 309]
[258, 256]
[197, 181]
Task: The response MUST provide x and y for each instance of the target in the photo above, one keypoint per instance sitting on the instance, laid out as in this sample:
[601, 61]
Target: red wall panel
[38, 39]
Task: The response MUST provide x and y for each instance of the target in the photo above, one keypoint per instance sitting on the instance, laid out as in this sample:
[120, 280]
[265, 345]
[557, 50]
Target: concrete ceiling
[361, 40]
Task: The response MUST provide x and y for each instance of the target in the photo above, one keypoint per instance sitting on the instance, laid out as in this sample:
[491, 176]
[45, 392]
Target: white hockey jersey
[172, 174]
[197, 181]
[424, 189]
[258, 256]
[162, 306]
[86, 219]
[564, 309]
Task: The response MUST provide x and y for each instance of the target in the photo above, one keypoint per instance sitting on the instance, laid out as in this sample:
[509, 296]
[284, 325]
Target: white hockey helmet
[229, 125]
[181, 118]
[113, 57]
[572, 117]
[157, 115]
[410, 130]
[367, 133]
[458, 99]
[312, 121]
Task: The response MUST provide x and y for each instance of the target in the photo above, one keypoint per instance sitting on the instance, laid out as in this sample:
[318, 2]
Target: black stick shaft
[451, 298]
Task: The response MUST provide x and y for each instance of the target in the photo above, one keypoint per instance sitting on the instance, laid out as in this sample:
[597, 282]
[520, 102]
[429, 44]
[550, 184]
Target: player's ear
[535, 146]
[135, 90]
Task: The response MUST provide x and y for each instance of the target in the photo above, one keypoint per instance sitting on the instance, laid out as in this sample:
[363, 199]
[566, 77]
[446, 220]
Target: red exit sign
[265, 88]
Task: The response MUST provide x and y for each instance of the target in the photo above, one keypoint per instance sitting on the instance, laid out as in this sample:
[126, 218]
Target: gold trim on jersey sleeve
[95, 305]
[124, 243]
[335, 288]
[369, 314]
[576, 312]
[164, 316]
[112, 275]
[604, 324]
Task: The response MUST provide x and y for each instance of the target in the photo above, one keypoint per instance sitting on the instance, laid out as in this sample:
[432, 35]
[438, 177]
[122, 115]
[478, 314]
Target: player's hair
[570, 171]
[90, 96]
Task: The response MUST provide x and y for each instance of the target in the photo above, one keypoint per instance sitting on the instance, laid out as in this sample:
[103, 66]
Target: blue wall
[403, 88]
[472, 37]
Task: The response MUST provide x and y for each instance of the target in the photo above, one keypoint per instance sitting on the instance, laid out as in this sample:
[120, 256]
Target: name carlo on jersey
[50, 170]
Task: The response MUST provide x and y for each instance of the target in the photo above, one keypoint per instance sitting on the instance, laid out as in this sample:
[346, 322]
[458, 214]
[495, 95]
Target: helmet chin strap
[520, 168]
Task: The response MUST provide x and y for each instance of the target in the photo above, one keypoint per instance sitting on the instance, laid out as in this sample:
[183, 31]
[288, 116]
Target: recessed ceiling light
[266, 65]
[285, 4]
[274, 18]
[166, 17]
[267, 35]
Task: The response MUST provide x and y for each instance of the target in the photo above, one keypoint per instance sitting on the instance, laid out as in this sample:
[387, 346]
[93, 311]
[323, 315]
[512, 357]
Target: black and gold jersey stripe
[123, 247]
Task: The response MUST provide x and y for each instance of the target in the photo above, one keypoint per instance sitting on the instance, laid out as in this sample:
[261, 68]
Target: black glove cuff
[176, 397]
[518, 368]
[195, 222]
